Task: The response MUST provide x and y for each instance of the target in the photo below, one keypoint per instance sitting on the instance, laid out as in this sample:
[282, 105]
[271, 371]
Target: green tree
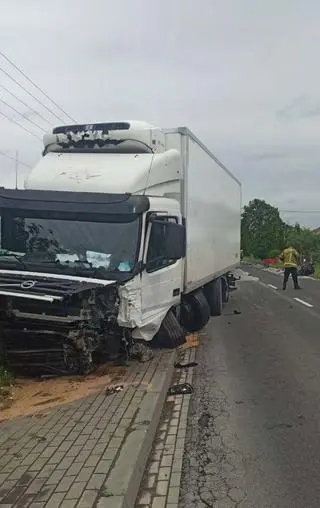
[304, 240]
[262, 229]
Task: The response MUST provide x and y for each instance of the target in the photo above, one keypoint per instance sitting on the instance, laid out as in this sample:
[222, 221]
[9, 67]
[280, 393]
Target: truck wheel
[225, 290]
[195, 312]
[214, 295]
[171, 333]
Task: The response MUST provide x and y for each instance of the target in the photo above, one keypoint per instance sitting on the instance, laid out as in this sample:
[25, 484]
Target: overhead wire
[14, 159]
[36, 86]
[22, 115]
[25, 104]
[20, 125]
[31, 94]
[299, 211]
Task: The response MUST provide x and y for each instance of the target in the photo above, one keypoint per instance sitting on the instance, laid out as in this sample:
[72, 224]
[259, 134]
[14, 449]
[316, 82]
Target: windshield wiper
[7, 253]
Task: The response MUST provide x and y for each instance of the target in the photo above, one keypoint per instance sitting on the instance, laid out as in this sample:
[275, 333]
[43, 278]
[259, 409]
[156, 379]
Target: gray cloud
[300, 108]
[241, 75]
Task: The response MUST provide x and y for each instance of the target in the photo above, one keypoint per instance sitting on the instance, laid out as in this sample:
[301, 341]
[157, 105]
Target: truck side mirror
[174, 239]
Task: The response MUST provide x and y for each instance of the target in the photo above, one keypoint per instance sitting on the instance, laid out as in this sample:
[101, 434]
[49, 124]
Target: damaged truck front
[63, 258]
[125, 235]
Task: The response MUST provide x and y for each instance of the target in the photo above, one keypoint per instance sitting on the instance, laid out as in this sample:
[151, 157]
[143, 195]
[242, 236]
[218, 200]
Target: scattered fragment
[141, 352]
[192, 340]
[179, 365]
[113, 389]
[237, 312]
[181, 389]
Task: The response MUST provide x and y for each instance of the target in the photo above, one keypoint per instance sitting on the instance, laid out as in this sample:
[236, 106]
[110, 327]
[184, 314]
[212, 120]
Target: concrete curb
[125, 478]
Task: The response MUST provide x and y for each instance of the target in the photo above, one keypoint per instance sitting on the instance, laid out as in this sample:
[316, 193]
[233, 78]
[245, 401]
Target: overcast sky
[242, 74]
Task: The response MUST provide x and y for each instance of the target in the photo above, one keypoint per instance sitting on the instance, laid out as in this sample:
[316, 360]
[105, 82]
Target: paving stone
[65, 458]
[76, 490]
[87, 499]
[65, 484]
[55, 500]
[96, 481]
[163, 473]
[159, 502]
[173, 495]
[162, 488]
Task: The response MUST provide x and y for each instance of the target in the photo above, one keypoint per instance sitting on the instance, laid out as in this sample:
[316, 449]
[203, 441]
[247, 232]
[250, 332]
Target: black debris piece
[237, 312]
[141, 352]
[182, 389]
[179, 365]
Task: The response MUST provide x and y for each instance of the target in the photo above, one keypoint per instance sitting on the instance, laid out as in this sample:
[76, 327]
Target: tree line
[264, 234]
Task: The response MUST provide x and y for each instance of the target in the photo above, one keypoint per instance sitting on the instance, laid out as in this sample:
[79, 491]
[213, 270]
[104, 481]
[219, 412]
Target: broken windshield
[71, 246]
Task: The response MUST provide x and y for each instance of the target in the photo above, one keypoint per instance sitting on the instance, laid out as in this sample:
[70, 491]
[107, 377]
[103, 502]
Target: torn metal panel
[145, 324]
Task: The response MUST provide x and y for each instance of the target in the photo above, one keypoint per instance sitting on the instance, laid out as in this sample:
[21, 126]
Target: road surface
[253, 437]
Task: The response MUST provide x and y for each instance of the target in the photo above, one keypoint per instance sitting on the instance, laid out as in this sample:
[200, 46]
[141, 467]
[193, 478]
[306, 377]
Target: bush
[6, 378]
[275, 253]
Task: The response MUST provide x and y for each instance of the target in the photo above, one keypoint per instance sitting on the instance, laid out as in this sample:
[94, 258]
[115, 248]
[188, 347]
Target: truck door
[161, 282]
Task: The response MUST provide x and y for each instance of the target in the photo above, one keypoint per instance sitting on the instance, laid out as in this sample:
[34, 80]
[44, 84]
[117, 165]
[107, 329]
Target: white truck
[125, 233]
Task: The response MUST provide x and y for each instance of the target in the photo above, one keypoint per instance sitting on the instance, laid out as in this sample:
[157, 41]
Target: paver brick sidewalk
[88, 453]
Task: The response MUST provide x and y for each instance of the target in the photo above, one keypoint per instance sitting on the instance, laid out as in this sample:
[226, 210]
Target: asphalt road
[253, 436]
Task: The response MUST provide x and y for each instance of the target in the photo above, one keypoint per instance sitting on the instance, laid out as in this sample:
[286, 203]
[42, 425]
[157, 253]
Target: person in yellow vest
[289, 257]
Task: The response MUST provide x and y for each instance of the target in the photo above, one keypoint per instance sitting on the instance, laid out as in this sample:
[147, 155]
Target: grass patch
[6, 378]
[6, 383]
[250, 260]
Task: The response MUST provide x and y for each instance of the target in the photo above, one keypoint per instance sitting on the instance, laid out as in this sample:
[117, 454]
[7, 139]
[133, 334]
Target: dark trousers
[294, 274]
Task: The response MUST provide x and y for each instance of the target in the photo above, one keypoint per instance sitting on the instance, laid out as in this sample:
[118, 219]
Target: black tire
[225, 290]
[171, 334]
[195, 312]
[214, 295]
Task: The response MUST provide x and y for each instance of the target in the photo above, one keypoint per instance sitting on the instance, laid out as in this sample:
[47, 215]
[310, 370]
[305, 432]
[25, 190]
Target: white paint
[30, 296]
[58, 276]
[303, 302]
[272, 286]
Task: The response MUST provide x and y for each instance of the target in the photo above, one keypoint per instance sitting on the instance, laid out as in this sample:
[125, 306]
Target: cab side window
[156, 256]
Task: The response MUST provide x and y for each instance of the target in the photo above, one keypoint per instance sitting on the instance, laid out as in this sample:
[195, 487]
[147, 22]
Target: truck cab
[91, 250]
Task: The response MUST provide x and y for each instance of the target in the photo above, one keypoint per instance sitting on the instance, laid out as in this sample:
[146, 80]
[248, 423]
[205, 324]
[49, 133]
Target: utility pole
[17, 167]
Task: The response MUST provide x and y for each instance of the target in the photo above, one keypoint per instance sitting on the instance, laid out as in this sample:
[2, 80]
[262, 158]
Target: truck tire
[225, 290]
[214, 295]
[195, 312]
[171, 334]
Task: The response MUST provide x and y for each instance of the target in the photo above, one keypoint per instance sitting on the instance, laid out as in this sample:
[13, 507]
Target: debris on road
[181, 389]
[192, 340]
[179, 365]
[113, 389]
[141, 352]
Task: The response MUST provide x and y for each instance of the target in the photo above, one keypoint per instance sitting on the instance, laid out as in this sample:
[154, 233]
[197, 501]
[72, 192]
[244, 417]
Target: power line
[299, 211]
[14, 159]
[19, 124]
[21, 114]
[31, 95]
[25, 104]
[36, 86]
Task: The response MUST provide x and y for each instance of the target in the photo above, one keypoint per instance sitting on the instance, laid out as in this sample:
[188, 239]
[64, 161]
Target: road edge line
[307, 304]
